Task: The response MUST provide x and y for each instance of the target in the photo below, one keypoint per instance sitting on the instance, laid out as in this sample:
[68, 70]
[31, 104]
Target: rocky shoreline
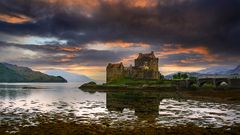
[107, 87]
[58, 125]
[92, 86]
[203, 94]
[63, 128]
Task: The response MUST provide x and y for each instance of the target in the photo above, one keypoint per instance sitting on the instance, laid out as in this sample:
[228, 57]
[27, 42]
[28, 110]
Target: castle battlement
[145, 67]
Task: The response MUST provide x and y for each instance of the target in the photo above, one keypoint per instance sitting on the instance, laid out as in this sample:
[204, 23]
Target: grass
[136, 82]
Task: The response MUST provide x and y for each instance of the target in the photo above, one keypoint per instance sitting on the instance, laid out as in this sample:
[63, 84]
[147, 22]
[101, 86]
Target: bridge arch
[192, 83]
[217, 81]
[222, 82]
[204, 82]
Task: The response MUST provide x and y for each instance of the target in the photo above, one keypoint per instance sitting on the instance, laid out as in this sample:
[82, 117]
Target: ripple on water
[173, 112]
[169, 112]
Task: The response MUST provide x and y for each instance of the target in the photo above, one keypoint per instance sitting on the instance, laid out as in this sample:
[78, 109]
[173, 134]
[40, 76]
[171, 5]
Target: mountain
[216, 70]
[69, 76]
[14, 73]
[235, 70]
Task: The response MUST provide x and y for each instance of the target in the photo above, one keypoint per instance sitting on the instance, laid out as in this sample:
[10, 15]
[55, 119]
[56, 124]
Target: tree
[161, 77]
[180, 76]
[184, 76]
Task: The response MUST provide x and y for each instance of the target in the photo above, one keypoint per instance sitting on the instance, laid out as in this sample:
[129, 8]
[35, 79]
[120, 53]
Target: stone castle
[146, 68]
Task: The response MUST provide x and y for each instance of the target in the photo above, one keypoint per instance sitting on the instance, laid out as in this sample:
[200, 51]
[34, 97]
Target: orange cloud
[15, 18]
[135, 3]
[189, 60]
[88, 7]
[69, 49]
[67, 58]
[87, 70]
[114, 44]
[143, 3]
[168, 49]
[88, 4]
[125, 44]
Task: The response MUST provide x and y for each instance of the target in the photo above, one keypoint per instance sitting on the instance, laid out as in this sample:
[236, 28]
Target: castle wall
[140, 73]
[151, 75]
[137, 73]
[114, 73]
[146, 67]
[128, 72]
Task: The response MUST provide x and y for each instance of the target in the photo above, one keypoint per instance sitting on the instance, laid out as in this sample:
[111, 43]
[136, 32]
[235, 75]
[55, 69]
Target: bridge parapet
[219, 76]
[216, 82]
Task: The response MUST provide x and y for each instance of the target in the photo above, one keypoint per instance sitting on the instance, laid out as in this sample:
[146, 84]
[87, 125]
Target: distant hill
[216, 70]
[69, 76]
[14, 73]
[235, 70]
[219, 70]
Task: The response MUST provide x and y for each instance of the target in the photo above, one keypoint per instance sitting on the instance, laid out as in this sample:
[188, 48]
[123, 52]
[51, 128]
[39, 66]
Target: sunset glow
[14, 19]
[82, 36]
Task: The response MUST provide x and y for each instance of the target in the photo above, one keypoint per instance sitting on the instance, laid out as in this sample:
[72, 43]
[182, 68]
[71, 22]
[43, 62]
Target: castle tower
[148, 61]
[114, 71]
[147, 67]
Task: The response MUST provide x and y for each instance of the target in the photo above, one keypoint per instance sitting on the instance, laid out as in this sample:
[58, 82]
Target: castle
[146, 68]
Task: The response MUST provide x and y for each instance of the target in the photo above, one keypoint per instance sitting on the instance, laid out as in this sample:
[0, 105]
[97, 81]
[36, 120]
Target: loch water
[20, 101]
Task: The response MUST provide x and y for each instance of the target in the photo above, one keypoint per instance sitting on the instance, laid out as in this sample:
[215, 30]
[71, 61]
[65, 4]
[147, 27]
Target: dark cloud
[56, 55]
[214, 24]
[184, 59]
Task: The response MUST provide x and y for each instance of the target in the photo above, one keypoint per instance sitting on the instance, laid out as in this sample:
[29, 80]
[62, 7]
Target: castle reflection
[145, 104]
[13, 92]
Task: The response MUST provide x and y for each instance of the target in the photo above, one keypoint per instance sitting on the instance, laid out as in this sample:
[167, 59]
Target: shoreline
[105, 88]
[213, 95]
[62, 128]
[109, 88]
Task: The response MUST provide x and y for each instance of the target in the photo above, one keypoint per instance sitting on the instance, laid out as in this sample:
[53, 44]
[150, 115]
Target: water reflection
[145, 104]
[116, 108]
[13, 94]
[160, 108]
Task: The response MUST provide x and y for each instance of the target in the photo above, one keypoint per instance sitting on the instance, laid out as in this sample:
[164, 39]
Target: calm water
[116, 108]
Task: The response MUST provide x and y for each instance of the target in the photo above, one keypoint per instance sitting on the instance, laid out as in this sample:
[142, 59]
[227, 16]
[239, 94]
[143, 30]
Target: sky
[83, 36]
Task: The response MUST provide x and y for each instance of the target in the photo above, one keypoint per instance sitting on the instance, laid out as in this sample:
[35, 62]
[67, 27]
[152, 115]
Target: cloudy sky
[83, 36]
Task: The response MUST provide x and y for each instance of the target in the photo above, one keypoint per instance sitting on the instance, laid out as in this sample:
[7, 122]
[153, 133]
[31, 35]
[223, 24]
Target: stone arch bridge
[216, 81]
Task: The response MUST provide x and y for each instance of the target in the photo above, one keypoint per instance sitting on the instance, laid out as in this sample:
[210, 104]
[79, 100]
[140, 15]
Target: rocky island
[145, 75]
[12, 74]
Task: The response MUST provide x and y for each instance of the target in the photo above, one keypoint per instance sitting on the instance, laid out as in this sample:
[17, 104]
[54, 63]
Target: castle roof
[116, 65]
[146, 55]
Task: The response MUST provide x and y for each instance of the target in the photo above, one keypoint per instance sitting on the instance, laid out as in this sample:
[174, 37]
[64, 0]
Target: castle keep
[145, 67]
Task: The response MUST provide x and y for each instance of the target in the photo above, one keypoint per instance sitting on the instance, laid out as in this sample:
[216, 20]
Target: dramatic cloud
[14, 19]
[184, 33]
